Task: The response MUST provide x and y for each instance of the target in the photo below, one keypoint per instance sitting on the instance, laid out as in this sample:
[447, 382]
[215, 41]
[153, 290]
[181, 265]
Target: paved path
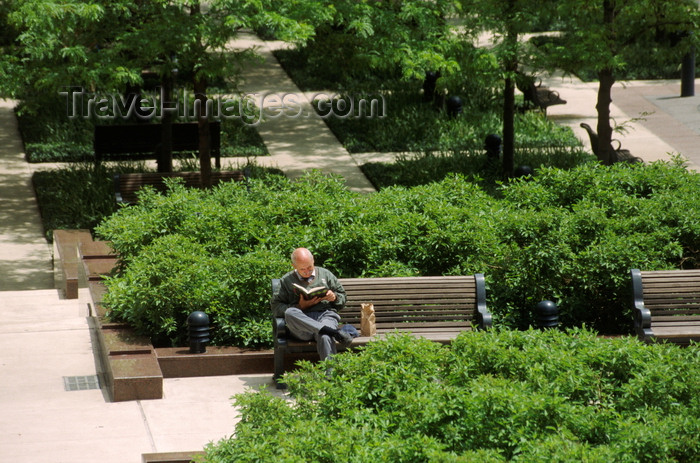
[296, 138]
[657, 121]
[43, 341]
[25, 255]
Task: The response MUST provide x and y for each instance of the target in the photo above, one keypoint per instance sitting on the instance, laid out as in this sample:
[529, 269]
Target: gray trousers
[305, 326]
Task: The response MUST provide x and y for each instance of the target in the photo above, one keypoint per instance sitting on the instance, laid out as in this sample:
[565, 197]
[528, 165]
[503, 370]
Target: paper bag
[367, 318]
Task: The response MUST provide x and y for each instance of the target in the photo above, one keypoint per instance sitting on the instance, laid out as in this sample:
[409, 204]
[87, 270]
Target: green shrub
[174, 276]
[494, 396]
[77, 196]
[569, 236]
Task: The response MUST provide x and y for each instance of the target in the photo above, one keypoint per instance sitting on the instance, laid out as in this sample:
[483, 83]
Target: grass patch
[77, 196]
[419, 169]
[404, 122]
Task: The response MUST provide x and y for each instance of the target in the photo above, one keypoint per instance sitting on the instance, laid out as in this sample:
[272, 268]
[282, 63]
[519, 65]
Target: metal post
[547, 315]
[198, 323]
[688, 74]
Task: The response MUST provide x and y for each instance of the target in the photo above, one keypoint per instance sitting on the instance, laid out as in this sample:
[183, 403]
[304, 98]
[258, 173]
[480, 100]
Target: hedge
[521, 396]
[569, 236]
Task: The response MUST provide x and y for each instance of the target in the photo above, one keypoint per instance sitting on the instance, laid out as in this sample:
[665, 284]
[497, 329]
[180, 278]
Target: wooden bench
[127, 185]
[146, 139]
[621, 155]
[666, 305]
[437, 308]
[536, 95]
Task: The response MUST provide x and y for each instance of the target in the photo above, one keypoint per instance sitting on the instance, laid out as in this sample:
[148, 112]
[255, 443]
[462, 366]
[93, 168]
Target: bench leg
[279, 368]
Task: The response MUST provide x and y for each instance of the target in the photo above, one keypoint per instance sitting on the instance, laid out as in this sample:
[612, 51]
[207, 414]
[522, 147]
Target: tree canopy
[104, 46]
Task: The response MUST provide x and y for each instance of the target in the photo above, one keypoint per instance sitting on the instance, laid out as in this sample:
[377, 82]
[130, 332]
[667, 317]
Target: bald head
[303, 262]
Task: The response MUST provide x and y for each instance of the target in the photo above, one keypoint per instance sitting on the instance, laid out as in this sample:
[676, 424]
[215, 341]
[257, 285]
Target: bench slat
[427, 315]
[419, 305]
[126, 186]
[382, 310]
[666, 304]
[680, 330]
[671, 300]
[656, 314]
[671, 318]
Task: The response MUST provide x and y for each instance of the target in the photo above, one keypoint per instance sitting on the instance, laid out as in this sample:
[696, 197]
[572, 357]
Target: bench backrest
[127, 185]
[422, 302]
[146, 138]
[667, 293]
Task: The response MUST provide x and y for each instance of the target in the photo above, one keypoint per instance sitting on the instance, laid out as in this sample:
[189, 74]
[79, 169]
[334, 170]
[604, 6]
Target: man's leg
[303, 326]
[320, 326]
[326, 337]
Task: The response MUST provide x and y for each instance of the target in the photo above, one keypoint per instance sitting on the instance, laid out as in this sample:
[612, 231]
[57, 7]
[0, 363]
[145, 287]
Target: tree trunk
[201, 113]
[511, 67]
[200, 91]
[508, 128]
[606, 80]
[165, 152]
[605, 152]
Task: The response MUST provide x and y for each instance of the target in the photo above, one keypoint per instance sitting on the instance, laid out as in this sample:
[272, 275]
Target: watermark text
[250, 108]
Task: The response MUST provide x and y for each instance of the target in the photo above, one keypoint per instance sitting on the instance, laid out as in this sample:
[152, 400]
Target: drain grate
[81, 383]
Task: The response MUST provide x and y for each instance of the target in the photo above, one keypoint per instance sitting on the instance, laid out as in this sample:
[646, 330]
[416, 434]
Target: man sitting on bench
[314, 318]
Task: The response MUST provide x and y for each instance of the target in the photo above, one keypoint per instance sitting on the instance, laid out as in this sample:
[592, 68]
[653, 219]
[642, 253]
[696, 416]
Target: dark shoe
[344, 338]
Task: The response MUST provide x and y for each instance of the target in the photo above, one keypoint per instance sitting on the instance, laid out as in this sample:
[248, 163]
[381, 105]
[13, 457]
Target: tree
[59, 44]
[411, 36]
[606, 35]
[414, 36]
[104, 46]
[202, 46]
[507, 21]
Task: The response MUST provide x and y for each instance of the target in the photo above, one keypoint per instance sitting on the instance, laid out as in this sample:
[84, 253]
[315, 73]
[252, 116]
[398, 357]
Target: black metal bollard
[454, 106]
[492, 145]
[688, 74]
[430, 85]
[198, 332]
[522, 171]
[547, 315]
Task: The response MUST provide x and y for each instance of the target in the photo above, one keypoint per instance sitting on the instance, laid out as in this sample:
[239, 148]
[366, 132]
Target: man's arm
[335, 286]
[283, 299]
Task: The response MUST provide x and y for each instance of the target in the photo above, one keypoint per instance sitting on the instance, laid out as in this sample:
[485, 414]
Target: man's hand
[305, 304]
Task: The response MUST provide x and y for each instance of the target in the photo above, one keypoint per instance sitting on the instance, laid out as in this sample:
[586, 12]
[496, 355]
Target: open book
[310, 293]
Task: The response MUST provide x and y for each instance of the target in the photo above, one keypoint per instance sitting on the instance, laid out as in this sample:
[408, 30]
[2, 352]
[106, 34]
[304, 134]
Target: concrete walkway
[657, 121]
[297, 139]
[46, 343]
[25, 255]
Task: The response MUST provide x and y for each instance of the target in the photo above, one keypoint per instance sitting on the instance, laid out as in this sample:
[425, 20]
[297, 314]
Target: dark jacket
[288, 295]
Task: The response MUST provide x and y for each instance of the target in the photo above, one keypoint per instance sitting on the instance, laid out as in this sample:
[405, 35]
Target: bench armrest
[484, 320]
[642, 315]
[279, 326]
[279, 331]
